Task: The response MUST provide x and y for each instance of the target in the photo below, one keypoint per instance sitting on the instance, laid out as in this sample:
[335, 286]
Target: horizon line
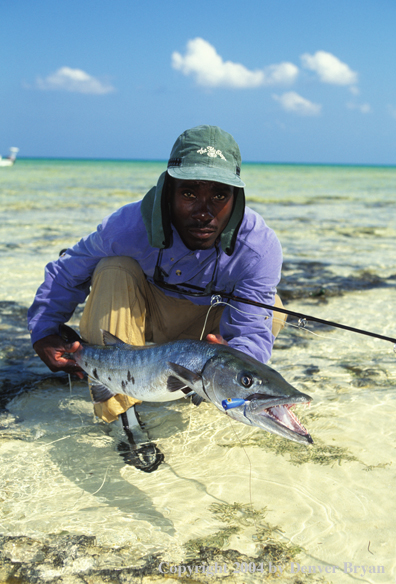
[164, 161]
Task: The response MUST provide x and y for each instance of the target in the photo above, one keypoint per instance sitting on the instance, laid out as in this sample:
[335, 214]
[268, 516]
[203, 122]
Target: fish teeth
[286, 408]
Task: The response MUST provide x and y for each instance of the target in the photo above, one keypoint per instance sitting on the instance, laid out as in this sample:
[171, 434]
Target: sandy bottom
[223, 485]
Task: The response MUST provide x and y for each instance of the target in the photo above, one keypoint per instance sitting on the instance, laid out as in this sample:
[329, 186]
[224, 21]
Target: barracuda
[242, 387]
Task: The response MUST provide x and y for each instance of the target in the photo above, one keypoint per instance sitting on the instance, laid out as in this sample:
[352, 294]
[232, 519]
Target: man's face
[200, 210]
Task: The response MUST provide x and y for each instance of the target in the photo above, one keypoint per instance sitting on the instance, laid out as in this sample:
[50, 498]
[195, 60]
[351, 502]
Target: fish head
[254, 394]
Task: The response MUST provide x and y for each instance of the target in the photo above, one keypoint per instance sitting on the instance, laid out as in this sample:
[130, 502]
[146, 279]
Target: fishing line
[250, 473]
[247, 456]
[216, 302]
[53, 442]
[303, 328]
[187, 434]
[103, 482]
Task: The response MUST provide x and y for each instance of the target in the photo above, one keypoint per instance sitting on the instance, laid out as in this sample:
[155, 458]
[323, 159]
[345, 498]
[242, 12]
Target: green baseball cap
[206, 153]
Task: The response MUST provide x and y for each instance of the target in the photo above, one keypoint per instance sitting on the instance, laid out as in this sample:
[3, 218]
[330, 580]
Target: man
[191, 234]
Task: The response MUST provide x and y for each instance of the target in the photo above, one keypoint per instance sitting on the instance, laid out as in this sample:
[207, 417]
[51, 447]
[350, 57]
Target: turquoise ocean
[228, 497]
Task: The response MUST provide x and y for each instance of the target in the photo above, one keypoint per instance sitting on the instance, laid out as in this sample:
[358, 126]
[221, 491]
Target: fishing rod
[305, 317]
[218, 295]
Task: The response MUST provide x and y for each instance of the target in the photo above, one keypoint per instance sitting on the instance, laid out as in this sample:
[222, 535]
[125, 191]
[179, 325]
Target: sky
[294, 81]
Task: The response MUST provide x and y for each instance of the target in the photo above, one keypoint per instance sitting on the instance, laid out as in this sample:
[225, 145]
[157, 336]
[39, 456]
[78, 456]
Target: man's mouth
[201, 232]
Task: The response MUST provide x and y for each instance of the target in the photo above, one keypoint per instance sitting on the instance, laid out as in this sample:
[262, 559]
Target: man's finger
[72, 347]
[70, 366]
[216, 339]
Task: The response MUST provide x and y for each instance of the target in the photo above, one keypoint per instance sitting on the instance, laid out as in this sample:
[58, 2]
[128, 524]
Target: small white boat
[9, 161]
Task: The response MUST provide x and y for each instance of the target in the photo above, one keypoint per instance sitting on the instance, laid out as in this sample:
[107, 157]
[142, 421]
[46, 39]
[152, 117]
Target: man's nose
[202, 211]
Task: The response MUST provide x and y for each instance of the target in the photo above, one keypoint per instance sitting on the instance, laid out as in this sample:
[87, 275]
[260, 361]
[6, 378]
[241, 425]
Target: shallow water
[226, 493]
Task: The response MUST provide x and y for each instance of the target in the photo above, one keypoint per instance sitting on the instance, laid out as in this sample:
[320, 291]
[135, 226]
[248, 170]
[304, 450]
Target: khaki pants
[123, 303]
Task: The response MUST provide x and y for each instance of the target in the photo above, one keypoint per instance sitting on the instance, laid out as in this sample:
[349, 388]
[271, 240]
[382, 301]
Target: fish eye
[246, 380]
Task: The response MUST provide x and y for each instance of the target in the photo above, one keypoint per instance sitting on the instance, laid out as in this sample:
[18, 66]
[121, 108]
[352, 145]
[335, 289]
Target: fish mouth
[283, 417]
[280, 419]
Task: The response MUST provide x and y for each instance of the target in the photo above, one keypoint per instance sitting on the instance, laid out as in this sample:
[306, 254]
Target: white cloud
[75, 80]
[364, 108]
[207, 66]
[354, 90]
[293, 102]
[392, 111]
[329, 68]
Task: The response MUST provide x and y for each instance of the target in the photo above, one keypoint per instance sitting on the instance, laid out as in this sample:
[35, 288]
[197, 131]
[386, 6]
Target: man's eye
[188, 194]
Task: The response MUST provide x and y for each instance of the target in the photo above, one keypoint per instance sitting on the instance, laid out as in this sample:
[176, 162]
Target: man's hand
[216, 339]
[51, 350]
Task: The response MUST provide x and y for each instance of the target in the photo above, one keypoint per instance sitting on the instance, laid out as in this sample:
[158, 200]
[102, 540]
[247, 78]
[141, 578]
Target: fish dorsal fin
[185, 376]
[111, 340]
[100, 393]
[68, 334]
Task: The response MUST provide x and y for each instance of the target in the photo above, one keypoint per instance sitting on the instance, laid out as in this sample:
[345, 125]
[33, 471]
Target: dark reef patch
[306, 279]
[20, 368]
[79, 559]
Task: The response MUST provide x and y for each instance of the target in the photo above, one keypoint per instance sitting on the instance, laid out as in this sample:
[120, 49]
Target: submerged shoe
[136, 452]
[146, 457]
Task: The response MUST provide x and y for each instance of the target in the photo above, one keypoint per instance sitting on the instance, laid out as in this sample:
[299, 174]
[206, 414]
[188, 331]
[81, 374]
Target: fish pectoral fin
[196, 399]
[185, 376]
[111, 340]
[175, 384]
[100, 393]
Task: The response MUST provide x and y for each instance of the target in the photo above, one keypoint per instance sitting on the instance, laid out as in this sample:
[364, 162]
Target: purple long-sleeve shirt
[252, 271]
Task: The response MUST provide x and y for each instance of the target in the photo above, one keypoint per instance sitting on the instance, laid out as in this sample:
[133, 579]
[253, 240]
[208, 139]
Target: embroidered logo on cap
[211, 152]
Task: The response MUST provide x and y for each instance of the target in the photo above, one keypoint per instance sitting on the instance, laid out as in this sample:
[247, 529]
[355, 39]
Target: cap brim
[200, 172]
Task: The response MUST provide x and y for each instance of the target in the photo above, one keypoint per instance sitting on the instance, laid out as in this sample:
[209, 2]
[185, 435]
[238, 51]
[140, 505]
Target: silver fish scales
[234, 382]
